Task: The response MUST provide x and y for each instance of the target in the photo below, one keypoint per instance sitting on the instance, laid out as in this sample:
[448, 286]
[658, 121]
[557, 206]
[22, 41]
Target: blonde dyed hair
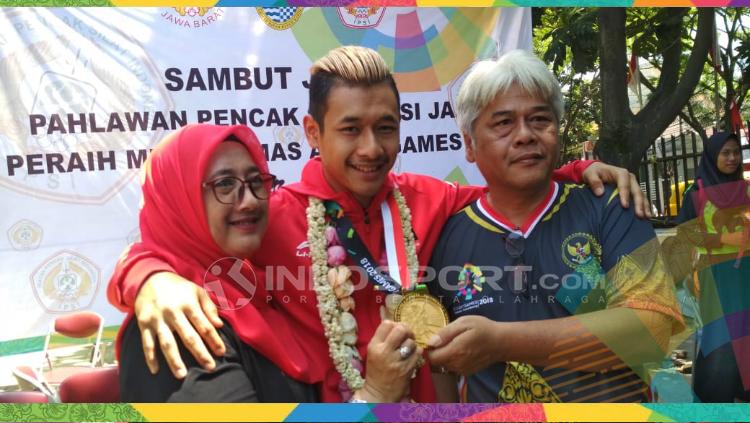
[354, 64]
[346, 65]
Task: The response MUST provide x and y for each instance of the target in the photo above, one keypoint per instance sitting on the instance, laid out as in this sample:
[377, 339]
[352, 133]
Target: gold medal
[424, 315]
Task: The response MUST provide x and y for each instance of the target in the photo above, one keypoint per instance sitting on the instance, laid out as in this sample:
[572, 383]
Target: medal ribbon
[357, 250]
[395, 245]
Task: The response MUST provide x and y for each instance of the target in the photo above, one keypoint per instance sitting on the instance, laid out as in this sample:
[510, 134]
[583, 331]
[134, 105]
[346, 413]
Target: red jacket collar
[314, 184]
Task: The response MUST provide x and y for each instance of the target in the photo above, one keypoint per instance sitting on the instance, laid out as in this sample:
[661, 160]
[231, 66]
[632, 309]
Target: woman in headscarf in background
[204, 211]
[715, 218]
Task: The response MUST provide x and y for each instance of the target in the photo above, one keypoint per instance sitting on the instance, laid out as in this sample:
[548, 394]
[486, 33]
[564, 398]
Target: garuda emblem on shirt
[579, 248]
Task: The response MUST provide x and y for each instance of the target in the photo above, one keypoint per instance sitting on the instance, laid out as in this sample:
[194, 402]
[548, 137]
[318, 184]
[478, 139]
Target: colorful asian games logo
[470, 281]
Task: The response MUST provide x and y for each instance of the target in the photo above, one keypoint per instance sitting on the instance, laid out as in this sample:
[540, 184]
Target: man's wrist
[355, 399]
[369, 393]
[502, 341]
[363, 396]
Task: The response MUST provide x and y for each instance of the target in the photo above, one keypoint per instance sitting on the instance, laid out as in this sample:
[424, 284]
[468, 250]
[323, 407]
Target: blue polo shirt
[579, 253]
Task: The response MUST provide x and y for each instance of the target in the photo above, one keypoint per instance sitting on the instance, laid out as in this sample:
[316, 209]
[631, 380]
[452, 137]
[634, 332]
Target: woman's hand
[388, 371]
[168, 303]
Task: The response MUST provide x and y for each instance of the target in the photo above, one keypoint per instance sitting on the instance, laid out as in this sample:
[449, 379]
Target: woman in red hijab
[205, 207]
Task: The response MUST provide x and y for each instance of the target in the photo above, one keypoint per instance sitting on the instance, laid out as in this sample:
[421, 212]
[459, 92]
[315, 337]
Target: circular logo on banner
[192, 17]
[287, 134]
[421, 45]
[25, 235]
[80, 103]
[361, 17]
[279, 18]
[65, 282]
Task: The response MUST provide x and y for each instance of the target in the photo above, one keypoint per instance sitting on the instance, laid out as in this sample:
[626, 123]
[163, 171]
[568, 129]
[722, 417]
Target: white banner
[84, 93]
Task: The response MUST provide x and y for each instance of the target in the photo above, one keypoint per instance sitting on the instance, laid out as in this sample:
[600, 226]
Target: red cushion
[78, 325]
[27, 397]
[91, 385]
[58, 374]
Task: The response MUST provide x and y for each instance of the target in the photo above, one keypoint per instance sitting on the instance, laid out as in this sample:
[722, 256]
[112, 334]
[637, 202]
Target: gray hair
[491, 77]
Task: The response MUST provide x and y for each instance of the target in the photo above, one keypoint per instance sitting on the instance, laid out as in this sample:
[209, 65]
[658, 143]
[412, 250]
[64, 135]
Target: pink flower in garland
[332, 238]
[346, 393]
[336, 255]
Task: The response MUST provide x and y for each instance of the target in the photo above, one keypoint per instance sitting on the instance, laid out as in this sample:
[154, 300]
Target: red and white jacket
[284, 262]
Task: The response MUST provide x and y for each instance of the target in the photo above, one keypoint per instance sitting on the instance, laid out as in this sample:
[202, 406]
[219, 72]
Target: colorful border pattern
[422, 3]
[374, 412]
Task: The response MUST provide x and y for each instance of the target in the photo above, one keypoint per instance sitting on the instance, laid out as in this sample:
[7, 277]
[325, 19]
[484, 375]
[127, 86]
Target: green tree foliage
[555, 32]
[712, 97]
[589, 47]
[732, 80]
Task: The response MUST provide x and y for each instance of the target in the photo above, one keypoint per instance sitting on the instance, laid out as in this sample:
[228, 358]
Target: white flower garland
[411, 246]
[342, 348]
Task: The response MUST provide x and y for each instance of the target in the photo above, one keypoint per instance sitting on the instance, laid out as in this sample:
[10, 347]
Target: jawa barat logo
[193, 17]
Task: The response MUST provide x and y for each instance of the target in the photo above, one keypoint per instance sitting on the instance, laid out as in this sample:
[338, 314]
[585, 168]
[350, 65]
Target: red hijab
[174, 229]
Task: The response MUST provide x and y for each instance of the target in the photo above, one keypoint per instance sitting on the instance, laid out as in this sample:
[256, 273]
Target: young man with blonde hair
[354, 123]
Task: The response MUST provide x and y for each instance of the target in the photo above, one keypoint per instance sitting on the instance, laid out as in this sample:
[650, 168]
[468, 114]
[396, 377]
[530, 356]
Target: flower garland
[411, 246]
[333, 288]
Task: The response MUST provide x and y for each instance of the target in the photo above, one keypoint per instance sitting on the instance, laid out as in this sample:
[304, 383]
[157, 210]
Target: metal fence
[668, 168]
